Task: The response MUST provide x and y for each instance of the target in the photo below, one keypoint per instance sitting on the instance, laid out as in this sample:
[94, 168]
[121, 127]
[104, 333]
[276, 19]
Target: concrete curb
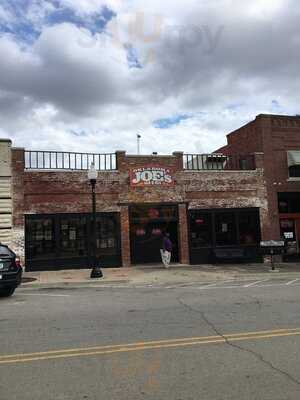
[37, 285]
[132, 284]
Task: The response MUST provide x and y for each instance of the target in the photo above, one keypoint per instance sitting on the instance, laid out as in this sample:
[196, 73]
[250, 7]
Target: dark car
[10, 271]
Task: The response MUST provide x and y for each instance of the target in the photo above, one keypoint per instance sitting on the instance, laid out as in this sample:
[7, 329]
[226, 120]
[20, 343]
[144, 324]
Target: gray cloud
[208, 59]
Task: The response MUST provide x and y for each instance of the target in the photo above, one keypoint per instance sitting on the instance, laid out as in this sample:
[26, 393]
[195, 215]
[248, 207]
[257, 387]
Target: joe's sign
[150, 176]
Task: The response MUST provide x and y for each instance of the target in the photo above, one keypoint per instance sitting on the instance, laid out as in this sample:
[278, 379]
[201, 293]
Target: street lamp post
[92, 176]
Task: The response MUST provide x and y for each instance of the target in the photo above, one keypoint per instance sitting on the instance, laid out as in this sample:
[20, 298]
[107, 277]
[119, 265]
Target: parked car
[10, 271]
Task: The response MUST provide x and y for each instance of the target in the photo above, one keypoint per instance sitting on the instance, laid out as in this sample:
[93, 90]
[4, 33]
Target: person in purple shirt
[166, 250]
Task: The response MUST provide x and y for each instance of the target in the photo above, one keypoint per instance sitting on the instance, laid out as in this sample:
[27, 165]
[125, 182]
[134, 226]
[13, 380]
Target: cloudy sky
[89, 75]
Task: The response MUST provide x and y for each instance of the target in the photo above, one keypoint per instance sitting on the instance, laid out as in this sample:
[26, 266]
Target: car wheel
[7, 292]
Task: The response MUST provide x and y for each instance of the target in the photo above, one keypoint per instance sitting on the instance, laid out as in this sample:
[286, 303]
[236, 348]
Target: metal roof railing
[69, 160]
[218, 162]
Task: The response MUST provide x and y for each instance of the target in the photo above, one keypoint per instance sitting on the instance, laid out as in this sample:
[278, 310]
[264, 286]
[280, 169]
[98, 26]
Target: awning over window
[293, 157]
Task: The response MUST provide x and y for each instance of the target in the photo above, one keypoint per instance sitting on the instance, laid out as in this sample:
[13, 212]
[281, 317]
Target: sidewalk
[155, 275]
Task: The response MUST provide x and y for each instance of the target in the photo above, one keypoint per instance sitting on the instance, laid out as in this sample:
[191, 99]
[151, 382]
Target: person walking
[166, 251]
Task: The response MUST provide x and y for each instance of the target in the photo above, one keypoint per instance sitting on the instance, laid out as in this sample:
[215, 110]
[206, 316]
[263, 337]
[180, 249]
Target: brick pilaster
[183, 235]
[125, 236]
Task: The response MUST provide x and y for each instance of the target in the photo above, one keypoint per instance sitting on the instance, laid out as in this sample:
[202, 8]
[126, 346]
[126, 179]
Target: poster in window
[48, 235]
[39, 235]
[103, 244]
[224, 227]
[72, 234]
[111, 243]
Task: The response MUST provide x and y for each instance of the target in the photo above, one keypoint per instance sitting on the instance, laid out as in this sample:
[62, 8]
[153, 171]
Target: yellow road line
[197, 338]
[142, 346]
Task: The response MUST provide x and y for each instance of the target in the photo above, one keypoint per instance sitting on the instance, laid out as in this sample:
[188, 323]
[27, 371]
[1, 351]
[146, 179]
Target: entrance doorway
[289, 214]
[147, 225]
[290, 233]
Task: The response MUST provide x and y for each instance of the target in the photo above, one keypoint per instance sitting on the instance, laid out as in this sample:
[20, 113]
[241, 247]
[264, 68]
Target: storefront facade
[214, 208]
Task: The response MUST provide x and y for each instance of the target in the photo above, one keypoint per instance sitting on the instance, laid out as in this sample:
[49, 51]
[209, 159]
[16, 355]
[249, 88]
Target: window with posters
[66, 240]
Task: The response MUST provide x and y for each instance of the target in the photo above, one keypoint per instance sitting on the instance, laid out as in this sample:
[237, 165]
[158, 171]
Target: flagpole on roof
[138, 139]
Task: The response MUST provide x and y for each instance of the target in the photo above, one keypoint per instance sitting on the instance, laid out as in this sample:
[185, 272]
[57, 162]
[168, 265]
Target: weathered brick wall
[69, 191]
[158, 194]
[245, 140]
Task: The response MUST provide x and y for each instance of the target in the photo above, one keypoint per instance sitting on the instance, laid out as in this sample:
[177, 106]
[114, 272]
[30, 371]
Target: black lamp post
[92, 176]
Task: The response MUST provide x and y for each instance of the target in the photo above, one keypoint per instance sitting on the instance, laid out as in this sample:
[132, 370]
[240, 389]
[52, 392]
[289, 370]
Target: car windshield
[6, 252]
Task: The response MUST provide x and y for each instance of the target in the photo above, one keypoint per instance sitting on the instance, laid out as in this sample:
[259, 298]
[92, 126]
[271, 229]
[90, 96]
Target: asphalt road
[231, 340]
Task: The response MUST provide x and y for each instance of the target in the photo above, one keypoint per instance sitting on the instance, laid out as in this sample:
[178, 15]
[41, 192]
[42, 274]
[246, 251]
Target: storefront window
[289, 202]
[283, 206]
[201, 230]
[40, 237]
[106, 234]
[248, 228]
[230, 228]
[73, 236]
[69, 236]
[294, 171]
[225, 225]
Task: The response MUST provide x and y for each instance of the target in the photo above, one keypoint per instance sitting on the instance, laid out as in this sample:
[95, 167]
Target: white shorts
[165, 257]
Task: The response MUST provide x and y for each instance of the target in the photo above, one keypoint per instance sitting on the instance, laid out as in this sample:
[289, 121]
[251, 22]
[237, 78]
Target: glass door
[289, 235]
[225, 228]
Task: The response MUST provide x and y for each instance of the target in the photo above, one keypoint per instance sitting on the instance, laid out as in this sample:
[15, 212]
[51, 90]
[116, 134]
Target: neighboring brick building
[214, 207]
[278, 138]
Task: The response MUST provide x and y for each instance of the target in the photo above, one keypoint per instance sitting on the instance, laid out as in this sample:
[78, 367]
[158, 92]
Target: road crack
[234, 345]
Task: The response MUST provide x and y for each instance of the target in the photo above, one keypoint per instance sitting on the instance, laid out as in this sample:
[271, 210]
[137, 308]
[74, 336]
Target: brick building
[216, 207]
[278, 138]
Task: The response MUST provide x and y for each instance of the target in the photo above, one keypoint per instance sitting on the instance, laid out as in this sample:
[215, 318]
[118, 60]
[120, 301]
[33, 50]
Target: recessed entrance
[147, 224]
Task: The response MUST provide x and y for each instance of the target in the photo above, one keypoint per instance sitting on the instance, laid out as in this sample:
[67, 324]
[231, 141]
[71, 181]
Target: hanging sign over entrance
[151, 176]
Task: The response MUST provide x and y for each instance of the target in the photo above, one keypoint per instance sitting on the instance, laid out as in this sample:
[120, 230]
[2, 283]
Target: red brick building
[216, 207]
[278, 138]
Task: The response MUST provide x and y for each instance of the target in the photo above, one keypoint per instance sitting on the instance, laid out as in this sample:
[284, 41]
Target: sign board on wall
[151, 176]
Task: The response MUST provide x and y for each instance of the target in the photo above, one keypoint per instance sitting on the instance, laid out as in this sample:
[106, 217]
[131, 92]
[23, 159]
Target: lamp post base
[96, 273]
